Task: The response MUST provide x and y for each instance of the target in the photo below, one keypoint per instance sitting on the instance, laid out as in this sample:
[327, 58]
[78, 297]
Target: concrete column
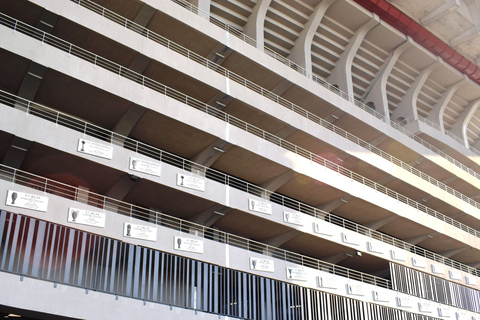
[301, 53]
[408, 106]
[203, 7]
[436, 115]
[461, 124]
[255, 24]
[342, 73]
[438, 13]
[376, 93]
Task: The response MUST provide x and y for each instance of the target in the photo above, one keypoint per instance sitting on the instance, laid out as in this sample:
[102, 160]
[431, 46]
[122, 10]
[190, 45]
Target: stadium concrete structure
[239, 159]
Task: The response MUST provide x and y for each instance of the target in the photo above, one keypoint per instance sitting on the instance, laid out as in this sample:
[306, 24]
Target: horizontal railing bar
[160, 155]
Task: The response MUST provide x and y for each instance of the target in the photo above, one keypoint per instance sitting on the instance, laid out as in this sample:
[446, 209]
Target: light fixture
[334, 116]
[343, 200]
[218, 149]
[358, 253]
[219, 213]
[349, 255]
[12, 315]
[220, 55]
[218, 103]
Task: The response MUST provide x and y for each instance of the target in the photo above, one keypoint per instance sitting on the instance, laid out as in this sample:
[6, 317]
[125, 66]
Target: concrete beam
[32, 80]
[418, 239]
[219, 54]
[282, 87]
[220, 100]
[209, 216]
[286, 132]
[451, 253]
[377, 224]
[144, 15]
[438, 110]
[47, 21]
[301, 53]
[276, 183]
[342, 73]
[465, 36]
[332, 205]
[254, 27]
[277, 241]
[140, 63]
[407, 108]
[460, 126]
[203, 7]
[376, 93]
[210, 154]
[16, 152]
[123, 186]
[128, 121]
[337, 258]
[438, 13]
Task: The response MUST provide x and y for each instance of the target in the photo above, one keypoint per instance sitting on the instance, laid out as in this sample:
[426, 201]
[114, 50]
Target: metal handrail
[272, 96]
[240, 35]
[71, 49]
[80, 125]
[94, 199]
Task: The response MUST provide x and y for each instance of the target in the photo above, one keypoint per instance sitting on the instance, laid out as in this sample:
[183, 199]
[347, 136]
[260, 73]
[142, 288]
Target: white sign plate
[405, 302]
[380, 296]
[94, 148]
[350, 238]
[293, 217]
[419, 263]
[327, 282]
[438, 269]
[471, 280]
[425, 307]
[318, 228]
[398, 255]
[355, 289]
[188, 244]
[296, 274]
[190, 182]
[145, 166]
[375, 247]
[455, 274]
[259, 206]
[27, 201]
[87, 217]
[131, 230]
[261, 264]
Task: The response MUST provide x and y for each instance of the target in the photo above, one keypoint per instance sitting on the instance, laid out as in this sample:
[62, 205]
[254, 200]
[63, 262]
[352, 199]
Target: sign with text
[190, 182]
[259, 206]
[145, 166]
[261, 264]
[296, 274]
[318, 228]
[293, 217]
[188, 244]
[327, 282]
[27, 201]
[95, 148]
[131, 230]
[87, 217]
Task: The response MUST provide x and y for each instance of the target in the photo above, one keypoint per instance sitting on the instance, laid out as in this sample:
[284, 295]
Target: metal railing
[239, 34]
[80, 125]
[272, 96]
[434, 125]
[71, 49]
[99, 201]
